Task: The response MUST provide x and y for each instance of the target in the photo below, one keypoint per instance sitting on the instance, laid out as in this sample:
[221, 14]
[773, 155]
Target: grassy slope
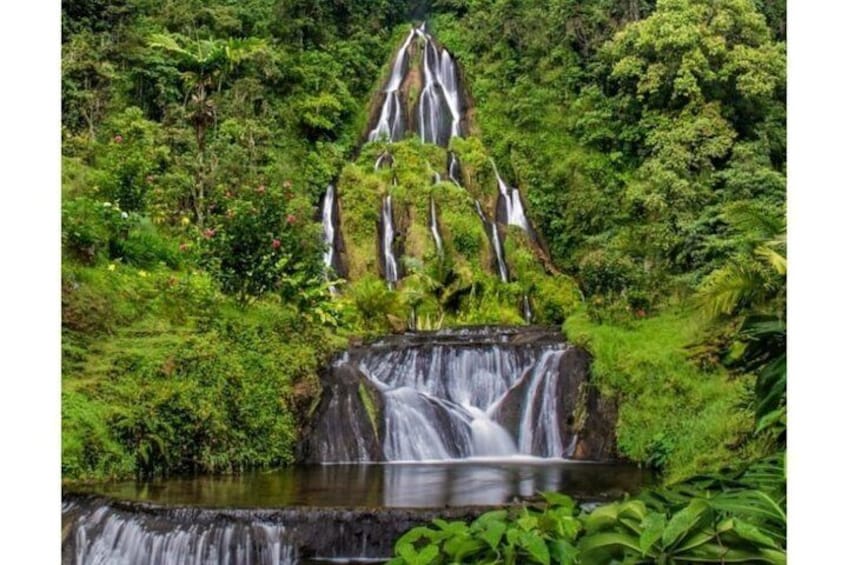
[673, 413]
[162, 373]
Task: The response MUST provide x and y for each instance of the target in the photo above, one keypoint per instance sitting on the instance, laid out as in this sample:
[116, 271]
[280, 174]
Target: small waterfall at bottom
[461, 394]
[108, 535]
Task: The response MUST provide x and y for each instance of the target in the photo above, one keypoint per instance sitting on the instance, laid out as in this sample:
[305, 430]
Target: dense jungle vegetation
[648, 138]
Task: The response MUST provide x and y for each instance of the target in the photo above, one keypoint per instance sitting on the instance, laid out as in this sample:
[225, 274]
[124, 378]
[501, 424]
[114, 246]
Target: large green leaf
[684, 521]
[601, 518]
[652, 529]
[563, 552]
[535, 545]
[752, 533]
[558, 499]
[714, 553]
[493, 533]
[609, 540]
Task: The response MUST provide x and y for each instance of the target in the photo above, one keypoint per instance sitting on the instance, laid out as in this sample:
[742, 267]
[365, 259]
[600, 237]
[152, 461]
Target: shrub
[88, 445]
[605, 272]
[259, 238]
[88, 228]
[373, 303]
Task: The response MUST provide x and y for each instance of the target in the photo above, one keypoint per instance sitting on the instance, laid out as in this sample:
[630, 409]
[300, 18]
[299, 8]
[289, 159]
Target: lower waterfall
[455, 394]
[108, 536]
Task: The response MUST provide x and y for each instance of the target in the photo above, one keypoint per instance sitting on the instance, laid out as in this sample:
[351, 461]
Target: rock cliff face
[474, 392]
[348, 423]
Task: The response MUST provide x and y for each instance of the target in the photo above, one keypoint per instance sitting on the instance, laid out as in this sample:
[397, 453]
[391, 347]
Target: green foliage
[529, 535]
[167, 375]
[89, 447]
[698, 532]
[261, 239]
[673, 413]
[374, 304]
[736, 516]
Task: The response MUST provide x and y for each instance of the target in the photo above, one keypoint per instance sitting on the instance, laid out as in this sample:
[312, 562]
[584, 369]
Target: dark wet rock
[588, 424]
[347, 425]
[597, 439]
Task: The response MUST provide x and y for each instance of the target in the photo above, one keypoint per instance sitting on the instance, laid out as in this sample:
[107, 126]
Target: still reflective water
[398, 485]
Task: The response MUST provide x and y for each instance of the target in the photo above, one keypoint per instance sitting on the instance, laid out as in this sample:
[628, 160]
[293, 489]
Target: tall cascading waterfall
[390, 124]
[388, 228]
[458, 394]
[510, 208]
[439, 114]
[439, 110]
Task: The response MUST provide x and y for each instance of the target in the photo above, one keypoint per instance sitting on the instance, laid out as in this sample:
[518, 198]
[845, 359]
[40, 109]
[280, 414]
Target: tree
[205, 64]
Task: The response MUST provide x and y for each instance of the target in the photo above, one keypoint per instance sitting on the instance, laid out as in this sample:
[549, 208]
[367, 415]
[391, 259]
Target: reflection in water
[401, 485]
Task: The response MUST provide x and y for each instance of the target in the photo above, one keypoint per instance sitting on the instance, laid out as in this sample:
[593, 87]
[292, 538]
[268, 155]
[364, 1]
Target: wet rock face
[485, 391]
[347, 425]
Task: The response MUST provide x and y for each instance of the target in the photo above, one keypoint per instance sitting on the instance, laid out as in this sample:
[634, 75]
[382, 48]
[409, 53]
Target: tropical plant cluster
[736, 516]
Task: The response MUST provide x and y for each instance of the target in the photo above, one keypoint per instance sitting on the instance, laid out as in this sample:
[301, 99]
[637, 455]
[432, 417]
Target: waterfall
[499, 255]
[527, 309]
[390, 124]
[439, 104]
[495, 239]
[384, 160]
[454, 172]
[329, 226]
[389, 261]
[539, 430]
[434, 227]
[512, 206]
[107, 536]
[468, 393]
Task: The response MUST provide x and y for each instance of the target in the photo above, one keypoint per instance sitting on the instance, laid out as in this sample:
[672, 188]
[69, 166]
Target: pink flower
[275, 244]
[640, 313]
[184, 247]
[119, 138]
[208, 233]
[291, 218]
[261, 189]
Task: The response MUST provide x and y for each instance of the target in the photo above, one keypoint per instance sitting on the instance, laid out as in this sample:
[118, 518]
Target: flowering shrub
[257, 239]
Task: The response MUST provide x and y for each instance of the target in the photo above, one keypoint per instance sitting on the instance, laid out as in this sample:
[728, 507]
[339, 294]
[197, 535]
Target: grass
[163, 374]
[673, 414]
